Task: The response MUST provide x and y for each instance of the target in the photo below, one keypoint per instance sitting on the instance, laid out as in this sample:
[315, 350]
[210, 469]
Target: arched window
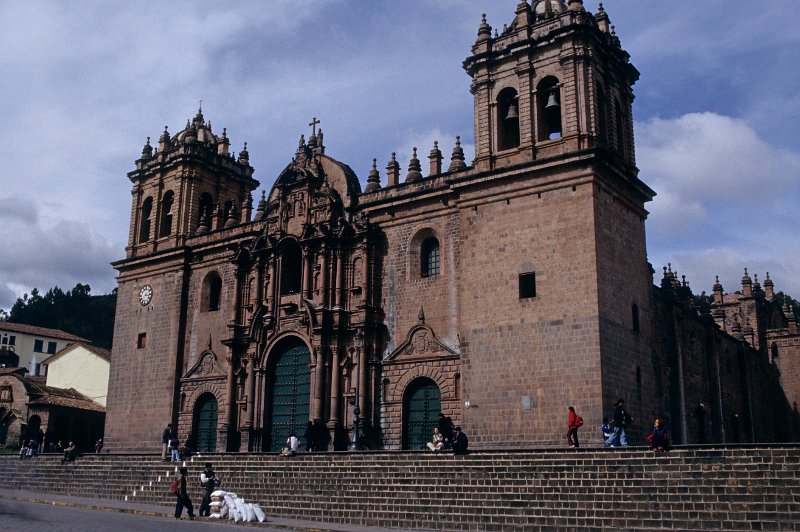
[165, 225]
[211, 292]
[291, 268]
[430, 257]
[602, 125]
[549, 108]
[144, 224]
[507, 119]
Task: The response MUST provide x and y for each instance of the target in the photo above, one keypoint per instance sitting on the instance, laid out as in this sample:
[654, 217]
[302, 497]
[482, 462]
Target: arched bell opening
[549, 109]
[507, 119]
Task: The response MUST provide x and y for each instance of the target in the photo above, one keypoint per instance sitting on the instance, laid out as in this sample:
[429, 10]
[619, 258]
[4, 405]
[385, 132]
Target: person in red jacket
[574, 423]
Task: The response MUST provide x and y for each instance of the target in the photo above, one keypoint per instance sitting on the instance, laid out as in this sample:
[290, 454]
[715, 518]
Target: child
[605, 429]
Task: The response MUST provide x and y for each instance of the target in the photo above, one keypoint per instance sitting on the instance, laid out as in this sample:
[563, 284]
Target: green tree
[75, 311]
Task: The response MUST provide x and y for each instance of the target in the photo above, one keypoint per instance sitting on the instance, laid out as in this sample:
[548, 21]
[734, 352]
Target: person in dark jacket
[460, 442]
[182, 497]
[209, 482]
[165, 437]
[658, 437]
[445, 426]
[620, 418]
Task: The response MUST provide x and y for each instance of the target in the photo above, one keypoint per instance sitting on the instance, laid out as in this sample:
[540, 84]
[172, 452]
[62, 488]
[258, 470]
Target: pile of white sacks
[224, 504]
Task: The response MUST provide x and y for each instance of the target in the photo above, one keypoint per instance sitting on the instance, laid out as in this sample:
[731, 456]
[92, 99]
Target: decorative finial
[421, 315]
[374, 178]
[414, 169]
[484, 30]
[457, 158]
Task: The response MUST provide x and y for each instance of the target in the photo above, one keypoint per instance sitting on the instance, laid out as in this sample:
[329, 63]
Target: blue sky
[716, 113]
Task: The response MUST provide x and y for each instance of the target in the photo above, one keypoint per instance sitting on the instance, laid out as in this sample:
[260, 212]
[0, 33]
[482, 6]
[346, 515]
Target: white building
[82, 367]
[34, 344]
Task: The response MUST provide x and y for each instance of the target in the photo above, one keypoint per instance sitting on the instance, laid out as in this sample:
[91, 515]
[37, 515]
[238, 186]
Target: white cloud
[726, 199]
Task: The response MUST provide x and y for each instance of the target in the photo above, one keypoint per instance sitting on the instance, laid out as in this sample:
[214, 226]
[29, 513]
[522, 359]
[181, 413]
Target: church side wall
[526, 360]
[142, 380]
[624, 285]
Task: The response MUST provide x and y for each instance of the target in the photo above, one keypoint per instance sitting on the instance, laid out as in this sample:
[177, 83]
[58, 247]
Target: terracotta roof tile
[39, 331]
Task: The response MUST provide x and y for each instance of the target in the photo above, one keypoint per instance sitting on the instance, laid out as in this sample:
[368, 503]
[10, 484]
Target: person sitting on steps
[438, 440]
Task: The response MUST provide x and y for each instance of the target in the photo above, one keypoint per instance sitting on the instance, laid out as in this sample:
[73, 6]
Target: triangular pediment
[207, 366]
[421, 342]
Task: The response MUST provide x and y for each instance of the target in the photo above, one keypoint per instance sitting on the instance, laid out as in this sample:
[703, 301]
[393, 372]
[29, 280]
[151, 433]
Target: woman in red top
[574, 423]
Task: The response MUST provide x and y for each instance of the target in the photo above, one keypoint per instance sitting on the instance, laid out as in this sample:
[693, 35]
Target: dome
[197, 129]
[556, 6]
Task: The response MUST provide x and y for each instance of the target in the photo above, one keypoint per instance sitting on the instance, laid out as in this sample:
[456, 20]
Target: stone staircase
[723, 488]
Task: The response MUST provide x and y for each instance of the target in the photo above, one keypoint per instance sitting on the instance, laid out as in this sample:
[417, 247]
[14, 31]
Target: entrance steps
[708, 488]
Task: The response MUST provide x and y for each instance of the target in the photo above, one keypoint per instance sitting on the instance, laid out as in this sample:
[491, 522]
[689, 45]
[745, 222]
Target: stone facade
[498, 292]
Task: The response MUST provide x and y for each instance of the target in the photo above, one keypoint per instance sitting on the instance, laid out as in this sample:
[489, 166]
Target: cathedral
[497, 291]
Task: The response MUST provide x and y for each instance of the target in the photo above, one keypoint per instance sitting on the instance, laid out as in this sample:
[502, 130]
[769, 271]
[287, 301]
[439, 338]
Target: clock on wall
[146, 294]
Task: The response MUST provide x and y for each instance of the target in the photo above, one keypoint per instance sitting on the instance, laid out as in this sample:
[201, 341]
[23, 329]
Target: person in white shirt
[292, 443]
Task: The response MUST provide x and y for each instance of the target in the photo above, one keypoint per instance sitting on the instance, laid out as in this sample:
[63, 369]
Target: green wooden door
[290, 391]
[205, 429]
[421, 408]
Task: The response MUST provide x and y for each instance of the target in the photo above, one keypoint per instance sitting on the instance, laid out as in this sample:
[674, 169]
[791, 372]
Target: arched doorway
[204, 430]
[422, 403]
[288, 393]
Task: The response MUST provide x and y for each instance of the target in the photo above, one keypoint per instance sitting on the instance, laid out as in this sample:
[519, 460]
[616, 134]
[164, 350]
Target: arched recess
[619, 121]
[422, 402]
[145, 221]
[211, 293]
[34, 424]
[602, 121]
[549, 108]
[425, 245]
[167, 205]
[291, 267]
[507, 119]
[288, 392]
[204, 423]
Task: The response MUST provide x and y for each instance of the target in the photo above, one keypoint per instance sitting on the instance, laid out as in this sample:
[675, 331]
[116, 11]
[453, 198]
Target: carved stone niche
[421, 342]
[206, 367]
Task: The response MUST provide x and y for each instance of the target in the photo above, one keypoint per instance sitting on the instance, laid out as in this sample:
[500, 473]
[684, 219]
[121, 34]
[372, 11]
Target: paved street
[21, 516]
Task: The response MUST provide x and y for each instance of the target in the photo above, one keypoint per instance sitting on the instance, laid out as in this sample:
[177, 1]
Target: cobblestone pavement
[22, 511]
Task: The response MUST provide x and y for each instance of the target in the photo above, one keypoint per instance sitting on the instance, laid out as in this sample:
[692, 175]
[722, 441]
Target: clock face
[145, 294]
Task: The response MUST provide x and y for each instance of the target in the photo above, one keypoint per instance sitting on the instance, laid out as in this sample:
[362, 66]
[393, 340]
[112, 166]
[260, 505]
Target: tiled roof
[71, 398]
[105, 354]
[39, 331]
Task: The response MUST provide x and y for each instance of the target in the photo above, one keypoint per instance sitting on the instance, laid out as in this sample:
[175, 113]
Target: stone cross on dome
[313, 125]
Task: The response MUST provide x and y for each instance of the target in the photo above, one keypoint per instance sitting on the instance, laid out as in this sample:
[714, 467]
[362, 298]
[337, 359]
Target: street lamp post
[356, 445]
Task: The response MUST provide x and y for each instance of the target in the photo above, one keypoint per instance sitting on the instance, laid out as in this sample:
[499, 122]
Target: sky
[83, 84]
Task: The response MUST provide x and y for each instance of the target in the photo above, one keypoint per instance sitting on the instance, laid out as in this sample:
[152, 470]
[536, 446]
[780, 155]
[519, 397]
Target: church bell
[552, 102]
[513, 112]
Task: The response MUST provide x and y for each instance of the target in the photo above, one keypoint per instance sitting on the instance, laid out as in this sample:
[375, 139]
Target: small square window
[5, 394]
[51, 348]
[38, 346]
[12, 340]
[527, 285]
[141, 341]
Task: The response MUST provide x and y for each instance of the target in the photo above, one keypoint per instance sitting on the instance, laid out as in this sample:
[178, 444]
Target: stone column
[319, 385]
[325, 273]
[306, 281]
[362, 380]
[340, 285]
[335, 391]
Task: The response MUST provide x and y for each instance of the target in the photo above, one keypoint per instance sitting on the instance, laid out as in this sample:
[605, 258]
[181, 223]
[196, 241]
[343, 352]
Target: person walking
[621, 419]
[460, 442]
[183, 500]
[209, 481]
[574, 422]
[165, 437]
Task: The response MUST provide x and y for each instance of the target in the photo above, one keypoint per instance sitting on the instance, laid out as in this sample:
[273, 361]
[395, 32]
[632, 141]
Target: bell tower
[191, 184]
[554, 81]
